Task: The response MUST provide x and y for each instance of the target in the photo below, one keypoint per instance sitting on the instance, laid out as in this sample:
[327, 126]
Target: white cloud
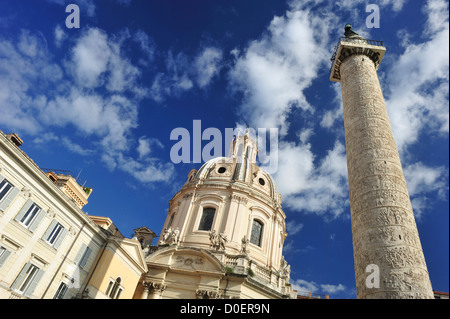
[320, 189]
[421, 178]
[273, 71]
[292, 227]
[73, 147]
[305, 134]
[39, 97]
[331, 116]
[147, 46]
[184, 73]
[26, 69]
[332, 289]
[90, 58]
[304, 287]
[32, 44]
[145, 146]
[145, 172]
[123, 75]
[437, 11]
[417, 82]
[421, 181]
[207, 65]
[97, 61]
[60, 35]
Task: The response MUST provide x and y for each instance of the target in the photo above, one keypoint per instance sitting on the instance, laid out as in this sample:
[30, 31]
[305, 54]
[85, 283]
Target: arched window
[255, 237]
[141, 240]
[248, 152]
[240, 150]
[114, 288]
[171, 220]
[207, 218]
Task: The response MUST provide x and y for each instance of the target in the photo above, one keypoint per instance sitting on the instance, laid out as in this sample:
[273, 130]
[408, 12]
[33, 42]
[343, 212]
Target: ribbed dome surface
[237, 170]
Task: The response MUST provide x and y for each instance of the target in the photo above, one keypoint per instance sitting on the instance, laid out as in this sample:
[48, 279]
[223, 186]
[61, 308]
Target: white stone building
[50, 248]
[223, 236]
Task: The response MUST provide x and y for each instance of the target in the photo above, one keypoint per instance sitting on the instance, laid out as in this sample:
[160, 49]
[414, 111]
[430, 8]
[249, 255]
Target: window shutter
[33, 284]
[80, 253]
[4, 256]
[85, 257]
[49, 229]
[41, 213]
[9, 198]
[23, 210]
[20, 276]
[60, 238]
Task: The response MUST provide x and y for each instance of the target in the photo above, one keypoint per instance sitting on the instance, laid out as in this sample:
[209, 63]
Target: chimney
[13, 137]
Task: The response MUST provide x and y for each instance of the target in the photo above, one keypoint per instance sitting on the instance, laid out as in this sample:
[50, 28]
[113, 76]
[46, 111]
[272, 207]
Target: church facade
[223, 236]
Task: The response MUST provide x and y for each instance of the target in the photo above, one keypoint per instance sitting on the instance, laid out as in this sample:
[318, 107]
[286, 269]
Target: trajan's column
[389, 261]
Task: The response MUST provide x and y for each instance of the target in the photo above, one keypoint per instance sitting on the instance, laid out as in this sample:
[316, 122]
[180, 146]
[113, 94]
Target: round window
[261, 181]
[222, 170]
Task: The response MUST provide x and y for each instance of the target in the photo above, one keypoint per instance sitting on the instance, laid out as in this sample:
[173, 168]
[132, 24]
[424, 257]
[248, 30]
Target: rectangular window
[5, 187]
[30, 215]
[207, 218]
[56, 231]
[28, 278]
[62, 289]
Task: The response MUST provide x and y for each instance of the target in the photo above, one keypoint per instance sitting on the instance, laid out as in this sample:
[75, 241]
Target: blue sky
[102, 100]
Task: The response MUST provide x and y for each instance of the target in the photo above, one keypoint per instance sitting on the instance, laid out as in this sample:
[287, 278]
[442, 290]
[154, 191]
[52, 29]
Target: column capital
[346, 47]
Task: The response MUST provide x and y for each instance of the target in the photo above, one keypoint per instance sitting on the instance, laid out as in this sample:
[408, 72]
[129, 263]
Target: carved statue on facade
[217, 241]
[174, 236]
[165, 236]
[170, 236]
[285, 268]
[244, 248]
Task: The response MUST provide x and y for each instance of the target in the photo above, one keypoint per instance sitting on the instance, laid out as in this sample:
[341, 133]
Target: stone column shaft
[384, 230]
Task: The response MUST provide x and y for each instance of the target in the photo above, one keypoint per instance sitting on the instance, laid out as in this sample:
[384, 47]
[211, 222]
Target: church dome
[230, 208]
[238, 169]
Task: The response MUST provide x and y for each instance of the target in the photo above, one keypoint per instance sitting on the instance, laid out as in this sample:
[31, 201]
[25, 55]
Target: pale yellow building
[50, 248]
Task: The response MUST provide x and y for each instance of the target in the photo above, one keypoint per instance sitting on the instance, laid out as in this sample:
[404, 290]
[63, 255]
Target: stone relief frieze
[188, 262]
[379, 198]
